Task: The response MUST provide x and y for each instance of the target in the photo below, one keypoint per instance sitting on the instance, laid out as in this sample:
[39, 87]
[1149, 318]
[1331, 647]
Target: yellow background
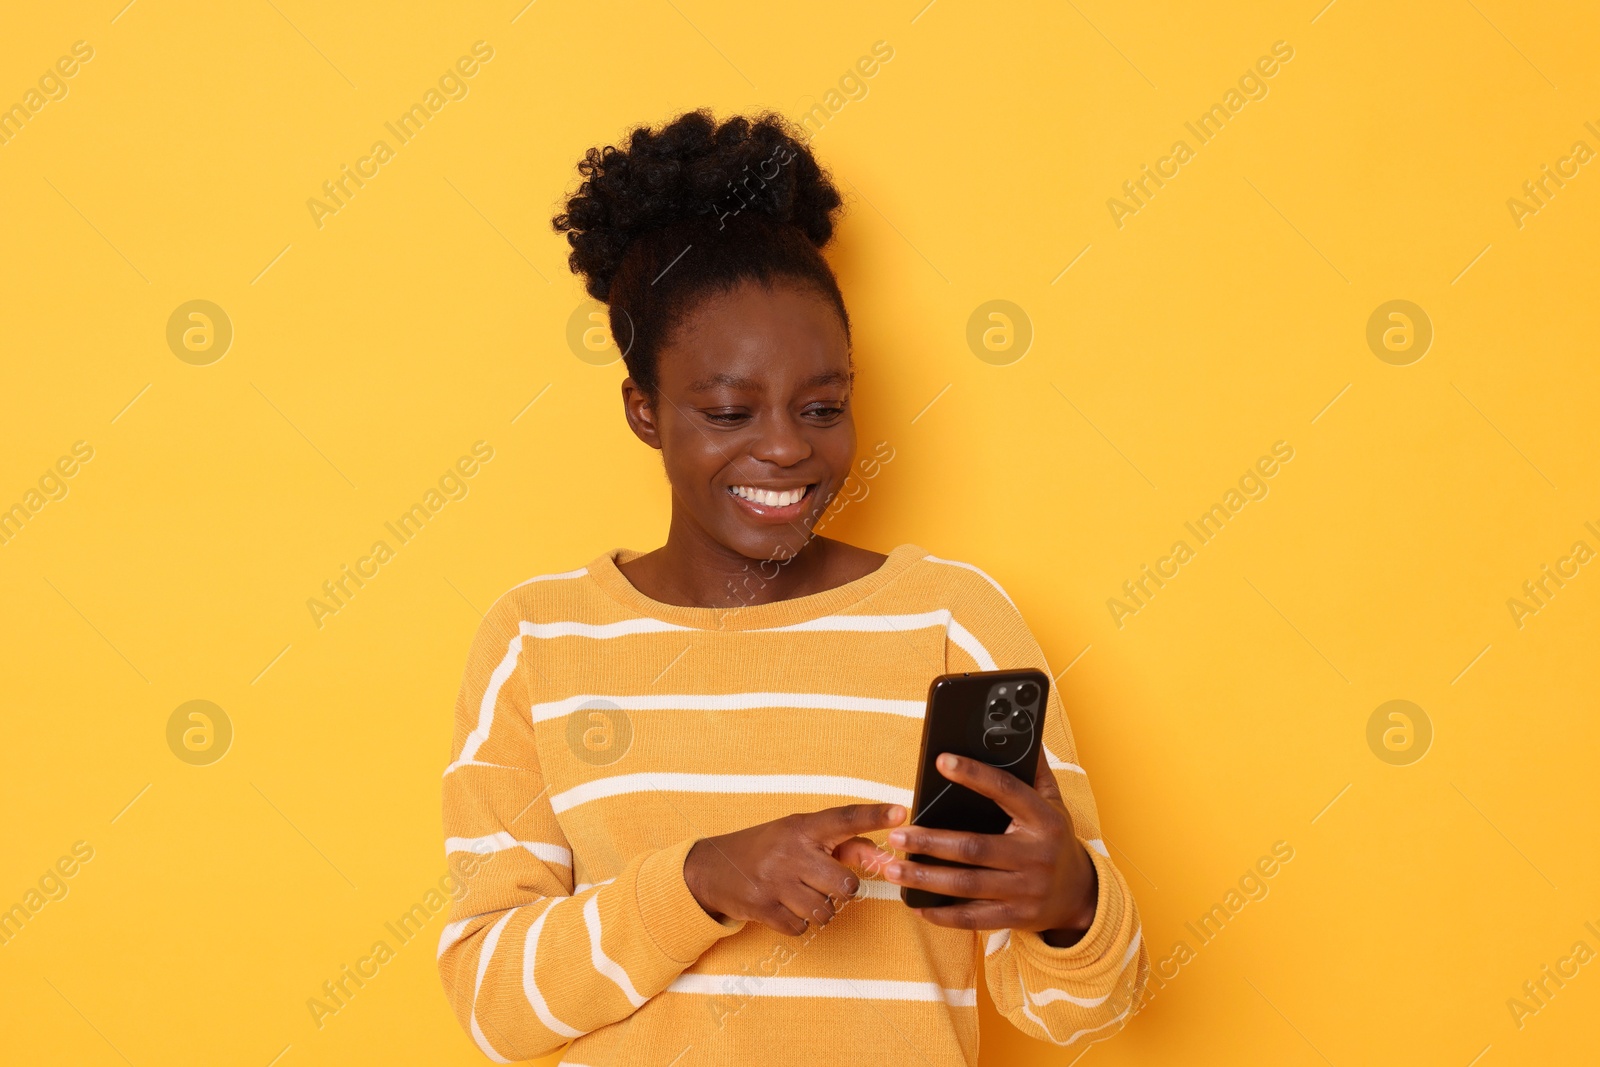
[1226, 315]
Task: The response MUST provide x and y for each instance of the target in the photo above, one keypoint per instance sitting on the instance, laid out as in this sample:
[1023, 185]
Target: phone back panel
[963, 717]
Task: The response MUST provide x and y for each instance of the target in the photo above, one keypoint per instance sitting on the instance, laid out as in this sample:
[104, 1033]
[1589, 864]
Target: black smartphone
[996, 717]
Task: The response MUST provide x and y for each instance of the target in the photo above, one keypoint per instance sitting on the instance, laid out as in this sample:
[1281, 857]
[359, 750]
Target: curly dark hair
[693, 209]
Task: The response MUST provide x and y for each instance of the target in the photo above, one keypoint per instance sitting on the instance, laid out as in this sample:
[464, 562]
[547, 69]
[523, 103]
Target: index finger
[834, 826]
[1015, 798]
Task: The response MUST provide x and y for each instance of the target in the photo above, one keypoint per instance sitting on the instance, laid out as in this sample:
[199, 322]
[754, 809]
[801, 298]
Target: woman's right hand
[785, 873]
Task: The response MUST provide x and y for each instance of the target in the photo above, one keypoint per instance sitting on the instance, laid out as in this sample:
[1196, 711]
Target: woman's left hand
[1035, 876]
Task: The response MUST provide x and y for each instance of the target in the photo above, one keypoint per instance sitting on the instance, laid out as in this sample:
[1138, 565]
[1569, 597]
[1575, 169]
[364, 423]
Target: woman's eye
[821, 413]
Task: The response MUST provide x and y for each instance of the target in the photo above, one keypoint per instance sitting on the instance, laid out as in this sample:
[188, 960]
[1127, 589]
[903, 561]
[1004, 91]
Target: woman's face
[752, 416]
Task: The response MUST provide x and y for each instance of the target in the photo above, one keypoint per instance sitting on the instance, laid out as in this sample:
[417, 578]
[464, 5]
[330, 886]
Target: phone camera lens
[999, 708]
[1027, 693]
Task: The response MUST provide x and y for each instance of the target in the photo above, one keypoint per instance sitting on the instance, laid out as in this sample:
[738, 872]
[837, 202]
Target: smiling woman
[772, 729]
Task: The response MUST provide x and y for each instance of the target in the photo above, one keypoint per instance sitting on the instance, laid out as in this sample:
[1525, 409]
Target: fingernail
[897, 837]
[897, 814]
[947, 762]
[892, 871]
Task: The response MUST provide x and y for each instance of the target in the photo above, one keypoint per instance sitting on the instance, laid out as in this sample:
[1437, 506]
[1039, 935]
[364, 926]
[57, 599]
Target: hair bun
[688, 172]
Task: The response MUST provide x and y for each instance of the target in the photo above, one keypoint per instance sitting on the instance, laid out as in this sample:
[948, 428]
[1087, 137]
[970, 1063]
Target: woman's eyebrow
[733, 381]
[832, 377]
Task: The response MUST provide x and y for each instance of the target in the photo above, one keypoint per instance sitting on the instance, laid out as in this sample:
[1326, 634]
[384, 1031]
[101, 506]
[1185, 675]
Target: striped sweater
[600, 733]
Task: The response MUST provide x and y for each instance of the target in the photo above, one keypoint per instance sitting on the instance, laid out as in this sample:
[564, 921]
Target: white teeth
[768, 497]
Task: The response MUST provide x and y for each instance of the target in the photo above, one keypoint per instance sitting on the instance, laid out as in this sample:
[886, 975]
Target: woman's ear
[640, 412]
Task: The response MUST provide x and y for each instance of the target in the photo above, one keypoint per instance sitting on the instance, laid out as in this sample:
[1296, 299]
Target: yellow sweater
[600, 733]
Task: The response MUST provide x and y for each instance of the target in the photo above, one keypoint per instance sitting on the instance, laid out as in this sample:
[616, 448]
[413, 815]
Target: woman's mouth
[773, 504]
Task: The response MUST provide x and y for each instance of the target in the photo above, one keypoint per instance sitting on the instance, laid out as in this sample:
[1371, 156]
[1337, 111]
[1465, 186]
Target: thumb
[863, 855]
[1044, 781]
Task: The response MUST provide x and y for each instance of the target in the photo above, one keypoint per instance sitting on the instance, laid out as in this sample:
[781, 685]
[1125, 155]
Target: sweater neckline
[606, 573]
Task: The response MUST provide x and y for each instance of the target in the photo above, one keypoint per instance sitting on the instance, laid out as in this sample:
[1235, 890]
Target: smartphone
[996, 717]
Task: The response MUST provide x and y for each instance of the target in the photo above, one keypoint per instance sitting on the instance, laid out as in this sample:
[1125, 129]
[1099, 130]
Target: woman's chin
[770, 543]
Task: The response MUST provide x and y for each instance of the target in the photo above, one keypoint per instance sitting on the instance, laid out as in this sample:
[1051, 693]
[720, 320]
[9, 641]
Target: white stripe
[555, 709]
[1000, 938]
[839, 988]
[484, 953]
[452, 933]
[530, 955]
[507, 665]
[1099, 846]
[1119, 1017]
[1050, 996]
[877, 889]
[579, 573]
[581, 886]
[501, 841]
[974, 570]
[972, 646]
[1133, 946]
[1057, 763]
[891, 623]
[483, 1042]
[458, 764]
[684, 782]
[828, 623]
[843, 623]
[597, 631]
[603, 963]
[491, 693]
[868, 623]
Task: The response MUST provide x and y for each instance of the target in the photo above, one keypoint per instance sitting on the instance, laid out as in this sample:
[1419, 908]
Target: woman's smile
[774, 504]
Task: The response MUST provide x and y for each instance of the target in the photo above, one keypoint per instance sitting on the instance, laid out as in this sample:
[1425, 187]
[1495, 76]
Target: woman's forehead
[757, 338]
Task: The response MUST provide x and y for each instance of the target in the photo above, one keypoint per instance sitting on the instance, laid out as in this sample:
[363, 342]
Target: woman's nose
[780, 441]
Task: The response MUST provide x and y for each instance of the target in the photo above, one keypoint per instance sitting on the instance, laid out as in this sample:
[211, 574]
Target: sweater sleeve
[1085, 992]
[528, 959]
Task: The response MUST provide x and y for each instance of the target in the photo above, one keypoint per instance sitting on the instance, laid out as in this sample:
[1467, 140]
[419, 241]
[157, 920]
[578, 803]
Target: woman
[673, 770]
